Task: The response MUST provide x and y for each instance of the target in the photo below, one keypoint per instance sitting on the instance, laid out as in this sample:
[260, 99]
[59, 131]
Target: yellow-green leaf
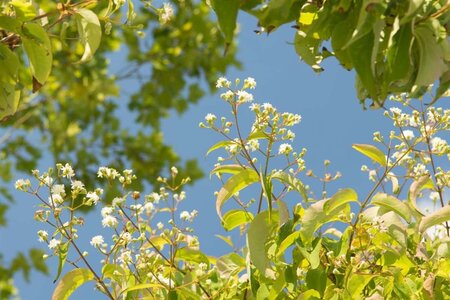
[227, 12]
[292, 182]
[235, 218]
[339, 199]
[438, 217]
[391, 203]
[90, 32]
[236, 183]
[221, 144]
[191, 255]
[372, 152]
[70, 282]
[39, 51]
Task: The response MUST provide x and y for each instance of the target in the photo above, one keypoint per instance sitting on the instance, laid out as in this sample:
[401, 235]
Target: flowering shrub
[340, 246]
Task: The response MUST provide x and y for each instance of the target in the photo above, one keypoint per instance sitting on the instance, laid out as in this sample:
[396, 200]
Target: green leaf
[90, 32]
[287, 242]
[339, 199]
[113, 271]
[70, 282]
[257, 135]
[9, 99]
[258, 232]
[312, 257]
[37, 260]
[39, 51]
[431, 63]
[235, 218]
[316, 279]
[9, 65]
[292, 182]
[221, 144]
[63, 249]
[315, 217]
[191, 255]
[372, 152]
[438, 217]
[309, 295]
[227, 12]
[10, 24]
[391, 203]
[230, 265]
[416, 187]
[236, 183]
[399, 55]
[25, 10]
[357, 282]
[230, 169]
[142, 286]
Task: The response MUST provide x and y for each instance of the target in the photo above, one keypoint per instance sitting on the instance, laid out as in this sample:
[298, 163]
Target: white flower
[166, 13]
[160, 225]
[55, 199]
[223, 82]
[434, 196]
[97, 241]
[109, 221]
[184, 215]
[67, 171]
[58, 189]
[253, 145]
[154, 197]
[92, 197]
[408, 134]
[77, 185]
[106, 211]
[118, 201]
[125, 257]
[255, 107]
[285, 149]
[108, 173]
[243, 96]
[227, 96]
[210, 118]
[126, 237]
[268, 107]
[42, 235]
[45, 179]
[438, 145]
[249, 83]
[22, 185]
[419, 169]
[395, 111]
[53, 243]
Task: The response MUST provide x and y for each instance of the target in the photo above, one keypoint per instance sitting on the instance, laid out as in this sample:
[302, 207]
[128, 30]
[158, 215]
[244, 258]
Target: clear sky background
[332, 121]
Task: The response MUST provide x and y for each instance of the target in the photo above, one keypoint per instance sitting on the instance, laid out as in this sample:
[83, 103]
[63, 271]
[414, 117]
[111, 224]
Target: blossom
[285, 149]
[227, 96]
[184, 215]
[160, 225]
[77, 185]
[22, 185]
[42, 235]
[408, 134]
[395, 111]
[97, 241]
[243, 96]
[210, 118]
[255, 107]
[58, 189]
[253, 145]
[166, 13]
[92, 197]
[108, 173]
[223, 82]
[67, 171]
[55, 199]
[53, 243]
[419, 169]
[250, 83]
[434, 196]
[438, 145]
[109, 221]
[106, 211]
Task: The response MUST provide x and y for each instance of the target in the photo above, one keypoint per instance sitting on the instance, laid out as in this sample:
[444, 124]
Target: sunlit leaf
[292, 182]
[357, 282]
[235, 218]
[90, 32]
[221, 144]
[229, 169]
[390, 203]
[438, 217]
[372, 152]
[189, 254]
[339, 199]
[70, 282]
[230, 264]
[287, 242]
[233, 185]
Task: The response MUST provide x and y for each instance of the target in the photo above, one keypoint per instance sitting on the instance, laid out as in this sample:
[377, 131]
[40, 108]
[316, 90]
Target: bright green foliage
[394, 46]
[70, 282]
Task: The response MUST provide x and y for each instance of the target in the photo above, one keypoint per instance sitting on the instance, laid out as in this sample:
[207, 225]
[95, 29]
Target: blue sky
[332, 120]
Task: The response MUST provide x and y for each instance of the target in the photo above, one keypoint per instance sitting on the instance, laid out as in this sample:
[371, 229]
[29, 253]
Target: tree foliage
[394, 46]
